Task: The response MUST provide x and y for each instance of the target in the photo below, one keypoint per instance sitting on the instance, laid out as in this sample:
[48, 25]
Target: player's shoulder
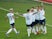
[10, 14]
[35, 9]
[25, 14]
[43, 10]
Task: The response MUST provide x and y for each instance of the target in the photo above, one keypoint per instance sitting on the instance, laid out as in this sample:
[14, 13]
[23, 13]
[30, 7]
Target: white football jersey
[37, 15]
[42, 13]
[28, 18]
[10, 17]
[35, 10]
[33, 16]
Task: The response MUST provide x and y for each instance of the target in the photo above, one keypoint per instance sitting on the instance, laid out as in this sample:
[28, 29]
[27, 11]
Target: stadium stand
[50, 1]
[44, 1]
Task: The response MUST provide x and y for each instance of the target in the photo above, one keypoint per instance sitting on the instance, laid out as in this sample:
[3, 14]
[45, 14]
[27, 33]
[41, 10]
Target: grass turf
[20, 22]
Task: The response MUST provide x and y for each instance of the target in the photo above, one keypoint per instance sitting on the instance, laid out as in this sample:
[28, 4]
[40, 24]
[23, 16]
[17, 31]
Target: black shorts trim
[37, 22]
[29, 25]
[33, 23]
[12, 24]
[43, 22]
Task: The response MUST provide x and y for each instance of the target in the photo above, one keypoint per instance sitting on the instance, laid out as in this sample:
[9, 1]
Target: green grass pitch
[20, 22]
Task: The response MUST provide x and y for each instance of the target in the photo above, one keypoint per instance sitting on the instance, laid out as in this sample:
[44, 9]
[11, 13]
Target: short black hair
[28, 10]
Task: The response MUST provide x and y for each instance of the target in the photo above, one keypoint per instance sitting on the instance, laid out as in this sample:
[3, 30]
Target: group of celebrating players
[35, 20]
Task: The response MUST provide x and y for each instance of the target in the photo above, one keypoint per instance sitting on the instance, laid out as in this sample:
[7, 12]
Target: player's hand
[16, 13]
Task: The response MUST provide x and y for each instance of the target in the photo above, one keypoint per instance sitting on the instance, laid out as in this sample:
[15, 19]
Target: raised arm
[35, 12]
[19, 14]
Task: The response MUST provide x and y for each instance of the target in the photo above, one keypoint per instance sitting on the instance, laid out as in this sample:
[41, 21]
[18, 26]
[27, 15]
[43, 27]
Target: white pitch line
[49, 25]
[4, 9]
[21, 16]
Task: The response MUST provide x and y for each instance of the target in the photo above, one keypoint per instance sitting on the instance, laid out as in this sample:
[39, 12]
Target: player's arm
[35, 13]
[14, 16]
[19, 14]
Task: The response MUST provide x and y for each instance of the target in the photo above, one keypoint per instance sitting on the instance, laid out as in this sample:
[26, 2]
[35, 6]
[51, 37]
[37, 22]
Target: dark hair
[28, 10]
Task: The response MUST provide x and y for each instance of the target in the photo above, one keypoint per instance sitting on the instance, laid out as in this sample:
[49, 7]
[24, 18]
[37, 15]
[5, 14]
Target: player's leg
[44, 26]
[14, 28]
[29, 30]
[9, 30]
[37, 26]
[33, 28]
[41, 25]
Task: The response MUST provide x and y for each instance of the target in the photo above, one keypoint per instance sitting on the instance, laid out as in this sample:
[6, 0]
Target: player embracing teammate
[40, 20]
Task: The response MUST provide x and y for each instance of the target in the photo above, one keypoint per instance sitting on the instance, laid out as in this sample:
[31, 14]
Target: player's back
[10, 17]
[28, 18]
